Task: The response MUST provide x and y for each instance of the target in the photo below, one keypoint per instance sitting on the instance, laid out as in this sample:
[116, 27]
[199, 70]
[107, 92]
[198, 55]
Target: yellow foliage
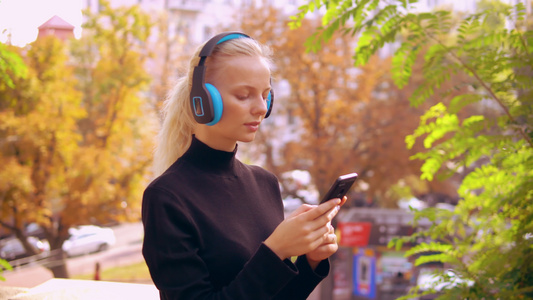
[76, 148]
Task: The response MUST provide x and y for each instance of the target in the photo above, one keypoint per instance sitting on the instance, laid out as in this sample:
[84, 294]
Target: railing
[45, 259]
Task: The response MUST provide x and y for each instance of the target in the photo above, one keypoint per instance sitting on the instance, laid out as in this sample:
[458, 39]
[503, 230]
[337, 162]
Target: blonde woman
[214, 227]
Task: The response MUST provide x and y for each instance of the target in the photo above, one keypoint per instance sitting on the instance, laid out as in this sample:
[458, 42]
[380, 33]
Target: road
[127, 250]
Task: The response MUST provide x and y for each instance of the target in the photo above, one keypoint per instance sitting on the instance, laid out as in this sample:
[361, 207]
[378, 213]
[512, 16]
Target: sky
[22, 17]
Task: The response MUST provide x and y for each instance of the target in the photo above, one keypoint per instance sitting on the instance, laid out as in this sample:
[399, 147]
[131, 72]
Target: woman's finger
[325, 219]
[303, 208]
[322, 209]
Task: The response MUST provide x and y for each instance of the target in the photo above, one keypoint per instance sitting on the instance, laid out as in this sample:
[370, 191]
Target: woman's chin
[247, 139]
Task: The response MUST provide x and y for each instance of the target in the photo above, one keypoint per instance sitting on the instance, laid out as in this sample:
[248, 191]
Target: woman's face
[244, 84]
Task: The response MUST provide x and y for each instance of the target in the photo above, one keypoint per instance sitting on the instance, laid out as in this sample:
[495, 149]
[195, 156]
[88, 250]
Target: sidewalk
[26, 278]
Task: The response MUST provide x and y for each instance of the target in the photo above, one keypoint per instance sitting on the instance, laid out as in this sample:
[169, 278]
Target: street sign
[354, 234]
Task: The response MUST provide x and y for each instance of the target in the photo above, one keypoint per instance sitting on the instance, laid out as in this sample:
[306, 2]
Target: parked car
[88, 239]
[12, 249]
[34, 229]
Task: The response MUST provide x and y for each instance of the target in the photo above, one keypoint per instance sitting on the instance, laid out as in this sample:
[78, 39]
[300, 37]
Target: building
[57, 27]
[196, 20]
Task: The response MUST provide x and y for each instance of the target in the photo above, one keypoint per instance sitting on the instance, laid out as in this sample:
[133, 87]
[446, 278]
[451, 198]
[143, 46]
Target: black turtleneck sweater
[205, 220]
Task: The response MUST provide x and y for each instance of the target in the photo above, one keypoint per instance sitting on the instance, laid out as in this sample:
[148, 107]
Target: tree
[487, 238]
[340, 117]
[38, 130]
[110, 62]
[11, 65]
[78, 150]
[12, 68]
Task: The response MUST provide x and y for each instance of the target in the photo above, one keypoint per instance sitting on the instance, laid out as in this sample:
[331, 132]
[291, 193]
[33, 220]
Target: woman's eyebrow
[251, 87]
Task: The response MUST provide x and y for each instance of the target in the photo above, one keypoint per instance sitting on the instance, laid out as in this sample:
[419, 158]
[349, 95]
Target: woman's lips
[253, 126]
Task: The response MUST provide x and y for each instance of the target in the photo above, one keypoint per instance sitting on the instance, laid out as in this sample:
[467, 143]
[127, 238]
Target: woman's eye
[242, 97]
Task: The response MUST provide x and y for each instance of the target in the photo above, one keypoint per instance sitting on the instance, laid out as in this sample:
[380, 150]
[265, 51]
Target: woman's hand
[327, 248]
[305, 230]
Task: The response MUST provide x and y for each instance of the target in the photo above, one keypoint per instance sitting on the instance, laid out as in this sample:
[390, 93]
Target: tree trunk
[29, 248]
[57, 263]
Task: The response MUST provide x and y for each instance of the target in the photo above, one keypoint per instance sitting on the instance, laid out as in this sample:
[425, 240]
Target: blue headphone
[206, 102]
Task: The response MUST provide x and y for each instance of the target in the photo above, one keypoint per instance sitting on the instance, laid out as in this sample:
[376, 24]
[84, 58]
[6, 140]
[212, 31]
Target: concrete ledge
[7, 292]
[71, 289]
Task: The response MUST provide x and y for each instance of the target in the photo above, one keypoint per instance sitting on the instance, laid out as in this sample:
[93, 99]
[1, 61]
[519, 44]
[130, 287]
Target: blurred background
[82, 83]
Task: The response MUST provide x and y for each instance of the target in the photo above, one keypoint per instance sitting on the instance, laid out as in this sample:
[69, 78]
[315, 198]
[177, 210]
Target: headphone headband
[219, 39]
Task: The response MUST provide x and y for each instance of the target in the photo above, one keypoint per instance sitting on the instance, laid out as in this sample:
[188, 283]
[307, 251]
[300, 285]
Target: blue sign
[364, 274]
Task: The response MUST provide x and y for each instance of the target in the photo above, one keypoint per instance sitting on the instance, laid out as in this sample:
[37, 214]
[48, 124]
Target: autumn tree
[76, 140]
[345, 119]
[12, 69]
[110, 62]
[38, 132]
[486, 240]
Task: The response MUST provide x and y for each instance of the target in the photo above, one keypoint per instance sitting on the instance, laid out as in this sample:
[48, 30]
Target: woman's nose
[259, 106]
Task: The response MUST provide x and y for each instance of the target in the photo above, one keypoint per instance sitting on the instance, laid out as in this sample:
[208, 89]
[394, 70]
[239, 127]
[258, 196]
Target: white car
[88, 239]
[12, 249]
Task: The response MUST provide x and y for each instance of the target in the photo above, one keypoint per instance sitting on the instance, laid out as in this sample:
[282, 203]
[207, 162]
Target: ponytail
[175, 136]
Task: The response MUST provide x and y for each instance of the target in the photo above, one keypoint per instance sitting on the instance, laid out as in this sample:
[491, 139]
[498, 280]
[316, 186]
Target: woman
[214, 226]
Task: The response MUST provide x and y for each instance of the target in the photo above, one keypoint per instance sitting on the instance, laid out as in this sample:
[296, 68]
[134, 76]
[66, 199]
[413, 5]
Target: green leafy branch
[419, 30]
[487, 238]
[11, 66]
[4, 265]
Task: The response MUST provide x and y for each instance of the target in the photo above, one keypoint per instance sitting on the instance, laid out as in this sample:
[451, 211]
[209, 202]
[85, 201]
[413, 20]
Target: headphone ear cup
[216, 99]
[270, 103]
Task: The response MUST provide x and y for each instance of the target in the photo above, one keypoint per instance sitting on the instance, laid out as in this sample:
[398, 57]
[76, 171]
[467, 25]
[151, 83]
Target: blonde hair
[178, 126]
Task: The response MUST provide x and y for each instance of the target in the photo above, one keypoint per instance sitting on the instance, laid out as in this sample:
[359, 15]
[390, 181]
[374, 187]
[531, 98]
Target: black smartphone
[340, 187]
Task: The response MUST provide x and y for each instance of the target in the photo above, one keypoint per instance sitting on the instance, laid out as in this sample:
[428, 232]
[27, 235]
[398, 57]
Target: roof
[56, 23]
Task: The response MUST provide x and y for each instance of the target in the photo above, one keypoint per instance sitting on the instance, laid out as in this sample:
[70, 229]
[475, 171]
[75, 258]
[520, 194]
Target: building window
[433, 3]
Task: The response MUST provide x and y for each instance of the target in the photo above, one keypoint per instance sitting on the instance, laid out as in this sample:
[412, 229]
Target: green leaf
[11, 66]
[403, 61]
[443, 125]
[4, 265]
[441, 258]
[460, 101]
[428, 247]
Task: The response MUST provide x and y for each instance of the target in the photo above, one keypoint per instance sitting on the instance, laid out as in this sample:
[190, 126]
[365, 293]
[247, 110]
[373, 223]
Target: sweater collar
[206, 157]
